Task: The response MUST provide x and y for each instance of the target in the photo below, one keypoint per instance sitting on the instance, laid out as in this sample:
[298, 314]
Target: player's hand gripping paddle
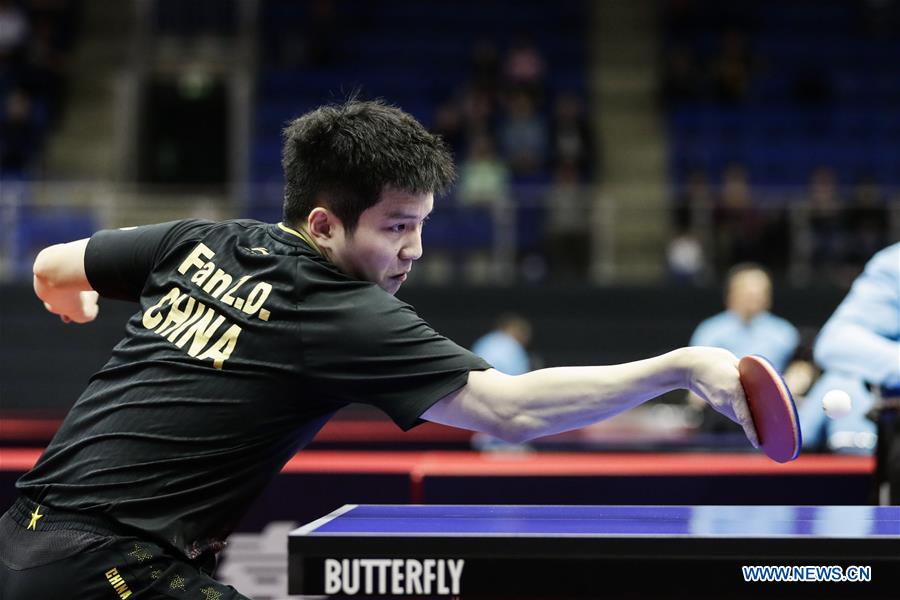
[771, 407]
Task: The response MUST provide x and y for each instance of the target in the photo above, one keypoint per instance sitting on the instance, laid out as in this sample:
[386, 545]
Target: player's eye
[398, 228]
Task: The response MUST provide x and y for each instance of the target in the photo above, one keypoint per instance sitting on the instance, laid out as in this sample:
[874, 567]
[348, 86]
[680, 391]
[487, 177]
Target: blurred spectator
[867, 221]
[746, 230]
[682, 78]
[739, 223]
[316, 45]
[572, 139]
[34, 37]
[774, 247]
[505, 346]
[747, 327]
[500, 102]
[62, 16]
[524, 136]
[568, 231]
[484, 192]
[19, 133]
[732, 69]
[483, 177]
[693, 203]
[478, 112]
[45, 74]
[685, 259]
[485, 75]
[322, 34]
[525, 68]
[448, 123]
[826, 222]
[13, 28]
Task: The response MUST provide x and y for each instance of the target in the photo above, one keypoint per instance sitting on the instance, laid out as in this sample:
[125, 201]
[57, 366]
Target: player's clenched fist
[82, 308]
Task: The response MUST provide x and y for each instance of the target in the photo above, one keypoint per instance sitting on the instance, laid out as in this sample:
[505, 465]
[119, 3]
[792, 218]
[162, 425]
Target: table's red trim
[18, 459]
[424, 464]
[28, 429]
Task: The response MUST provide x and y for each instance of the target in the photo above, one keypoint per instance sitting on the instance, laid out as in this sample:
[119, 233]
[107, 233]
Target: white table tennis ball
[836, 403]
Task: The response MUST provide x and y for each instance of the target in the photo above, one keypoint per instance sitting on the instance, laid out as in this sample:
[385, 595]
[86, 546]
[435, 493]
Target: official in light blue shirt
[504, 347]
[859, 345]
[746, 326]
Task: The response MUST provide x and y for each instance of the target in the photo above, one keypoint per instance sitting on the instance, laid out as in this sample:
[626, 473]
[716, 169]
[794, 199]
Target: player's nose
[412, 249]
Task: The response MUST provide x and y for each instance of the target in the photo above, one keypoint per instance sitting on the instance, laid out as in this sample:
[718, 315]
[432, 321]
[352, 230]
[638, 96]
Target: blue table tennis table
[557, 552]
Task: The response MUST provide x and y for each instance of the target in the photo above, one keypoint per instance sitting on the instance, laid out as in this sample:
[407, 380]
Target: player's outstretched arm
[61, 283]
[548, 401]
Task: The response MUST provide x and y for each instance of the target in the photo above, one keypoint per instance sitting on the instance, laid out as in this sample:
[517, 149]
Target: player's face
[386, 241]
[750, 293]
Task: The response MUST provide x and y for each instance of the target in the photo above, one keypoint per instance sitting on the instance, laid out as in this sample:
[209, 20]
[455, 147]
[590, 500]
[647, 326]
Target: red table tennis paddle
[771, 407]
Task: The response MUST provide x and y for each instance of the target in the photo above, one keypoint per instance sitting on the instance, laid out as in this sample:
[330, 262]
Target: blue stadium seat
[855, 130]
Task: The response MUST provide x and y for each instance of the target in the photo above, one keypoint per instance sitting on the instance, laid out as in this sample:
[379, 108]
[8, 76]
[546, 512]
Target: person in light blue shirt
[857, 348]
[747, 326]
[504, 347]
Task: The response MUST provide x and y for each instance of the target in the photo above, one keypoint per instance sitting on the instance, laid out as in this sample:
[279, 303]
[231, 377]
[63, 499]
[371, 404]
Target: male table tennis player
[249, 337]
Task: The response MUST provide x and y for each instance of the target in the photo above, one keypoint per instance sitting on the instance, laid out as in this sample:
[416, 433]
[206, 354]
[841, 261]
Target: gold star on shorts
[140, 553]
[211, 594]
[177, 583]
[155, 574]
[34, 518]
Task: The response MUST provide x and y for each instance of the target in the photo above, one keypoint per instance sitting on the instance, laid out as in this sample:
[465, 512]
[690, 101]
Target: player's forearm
[559, 399]
[858, 351]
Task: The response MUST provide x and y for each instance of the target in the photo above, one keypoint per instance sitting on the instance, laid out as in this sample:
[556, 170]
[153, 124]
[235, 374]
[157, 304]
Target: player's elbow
[518, 429]
[49, 266]
[44, 281]
[491, 402]
[513, 420]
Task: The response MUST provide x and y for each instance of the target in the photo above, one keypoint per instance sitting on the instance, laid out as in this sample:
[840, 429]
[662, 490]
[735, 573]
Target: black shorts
[69, 556]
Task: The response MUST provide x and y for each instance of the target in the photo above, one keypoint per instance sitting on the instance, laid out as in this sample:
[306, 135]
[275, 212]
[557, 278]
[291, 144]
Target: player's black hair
[342, 156]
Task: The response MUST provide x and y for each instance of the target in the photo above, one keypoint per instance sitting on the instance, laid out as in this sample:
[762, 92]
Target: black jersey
[246, 342]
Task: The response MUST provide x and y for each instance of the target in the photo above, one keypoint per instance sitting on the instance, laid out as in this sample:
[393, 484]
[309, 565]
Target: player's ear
[321, 224]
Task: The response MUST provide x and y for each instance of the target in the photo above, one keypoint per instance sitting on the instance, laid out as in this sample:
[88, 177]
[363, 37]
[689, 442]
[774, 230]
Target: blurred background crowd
[597, 142]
